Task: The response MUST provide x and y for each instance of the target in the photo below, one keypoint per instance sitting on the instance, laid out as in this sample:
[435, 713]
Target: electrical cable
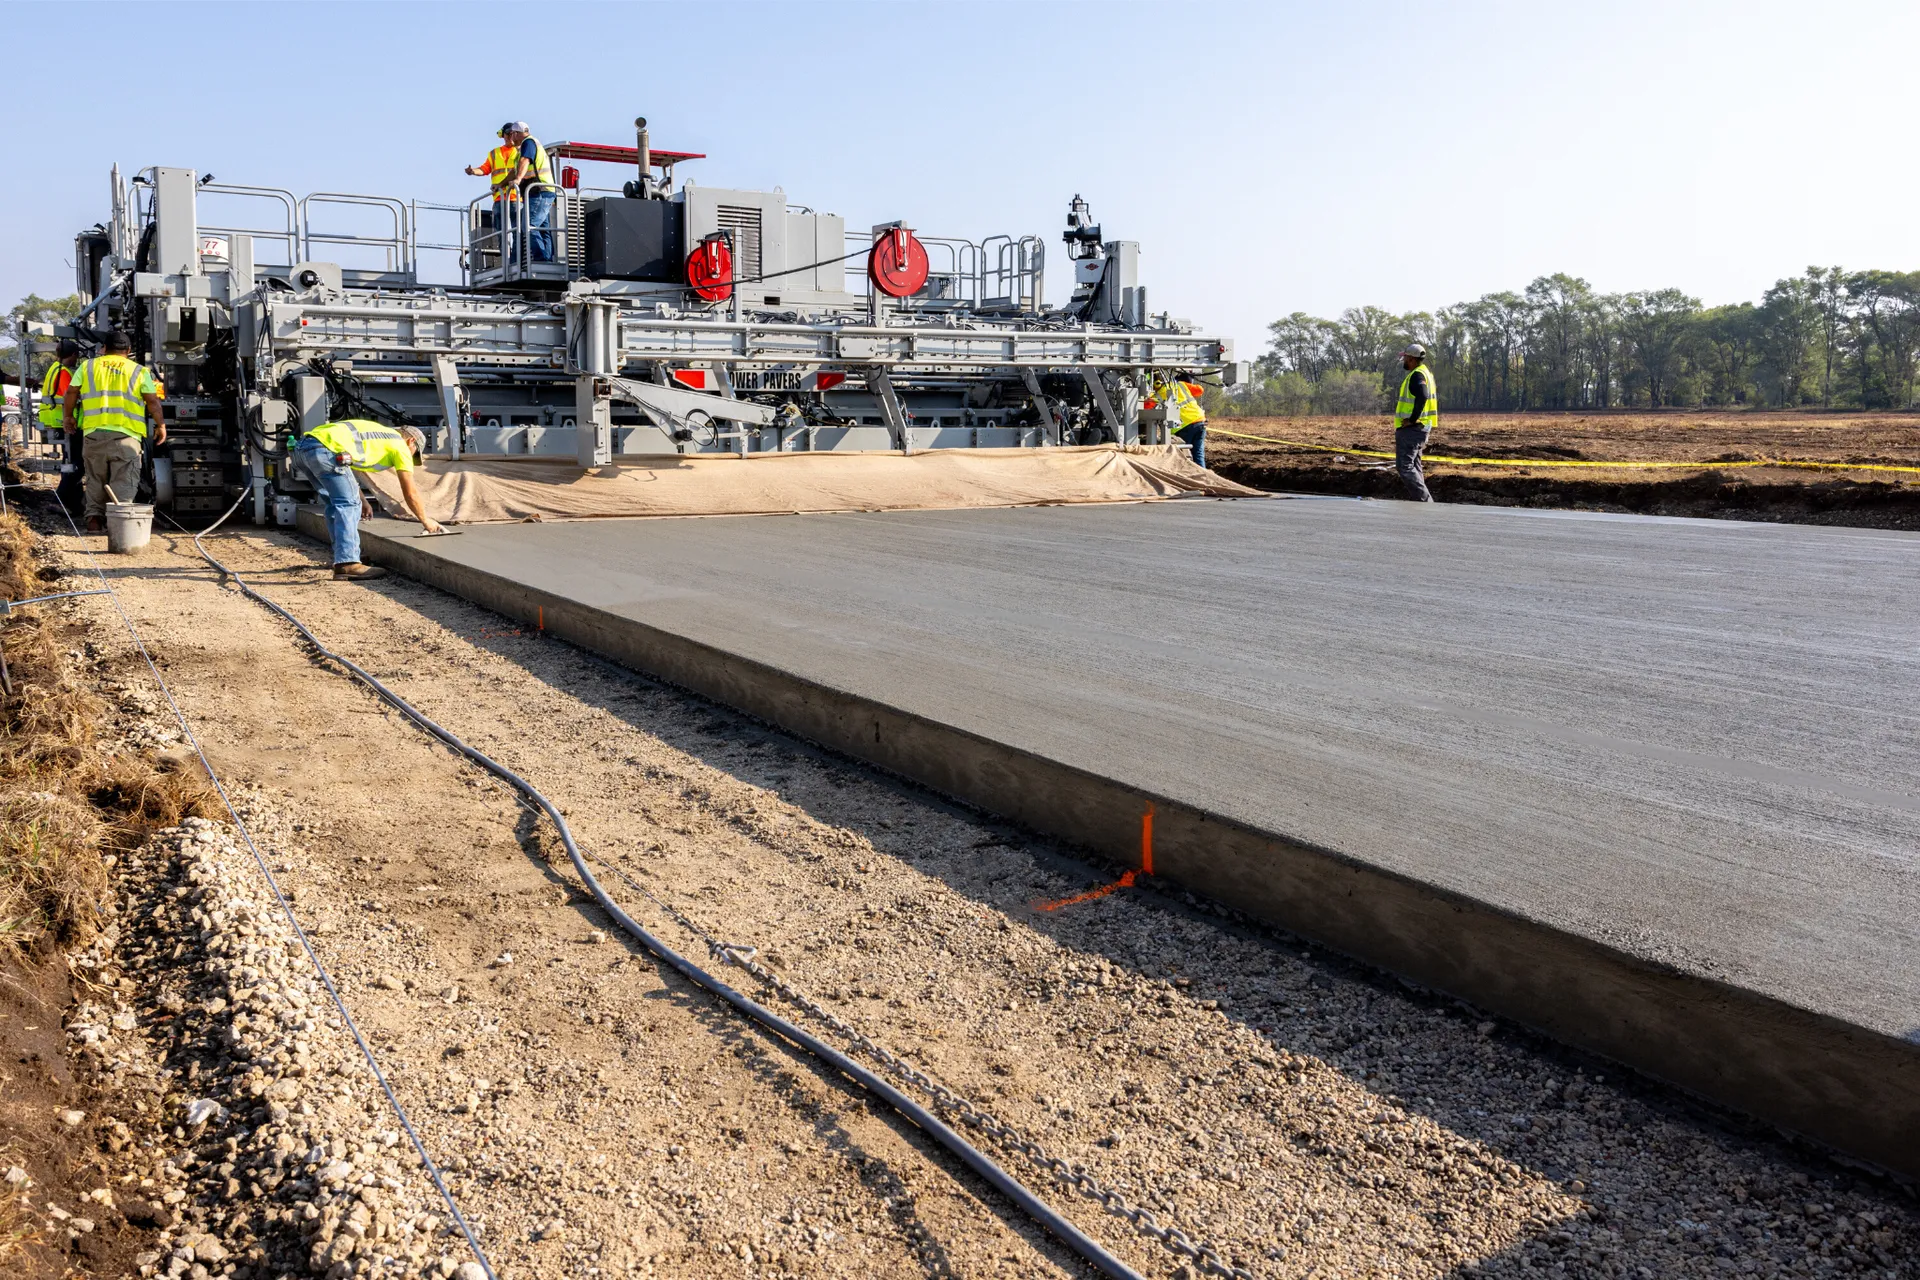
[350, 392]
[326, 980]
[794, 271]
[975, 1159]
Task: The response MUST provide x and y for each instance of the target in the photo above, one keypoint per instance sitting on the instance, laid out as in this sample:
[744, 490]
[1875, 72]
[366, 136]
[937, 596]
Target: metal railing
[1013, 273]
[1000, 272]
[456, 214]
[288, 234]
[396, 248]
[497, 253]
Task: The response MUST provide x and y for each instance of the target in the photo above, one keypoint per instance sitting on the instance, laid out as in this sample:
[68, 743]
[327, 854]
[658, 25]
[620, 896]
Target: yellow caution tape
[1564, 462]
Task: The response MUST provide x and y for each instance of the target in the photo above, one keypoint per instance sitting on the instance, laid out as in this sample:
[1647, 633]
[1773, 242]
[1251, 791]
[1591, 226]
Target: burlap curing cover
[476, 490]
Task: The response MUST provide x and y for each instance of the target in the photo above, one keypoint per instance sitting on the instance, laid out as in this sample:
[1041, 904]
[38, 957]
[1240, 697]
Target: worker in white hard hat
[1414, 417]
[533, 176]
[331, 454]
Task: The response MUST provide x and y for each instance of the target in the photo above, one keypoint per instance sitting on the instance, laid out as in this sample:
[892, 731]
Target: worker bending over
[331, 453]
[1415, 417]
[1184, 396]
[108, 404]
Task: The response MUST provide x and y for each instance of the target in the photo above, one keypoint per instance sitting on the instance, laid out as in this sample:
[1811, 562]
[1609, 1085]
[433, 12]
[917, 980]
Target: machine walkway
[1646, 785]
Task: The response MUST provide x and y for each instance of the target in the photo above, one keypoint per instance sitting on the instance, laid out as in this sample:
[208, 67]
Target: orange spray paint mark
[1126, 879]
[541, 610]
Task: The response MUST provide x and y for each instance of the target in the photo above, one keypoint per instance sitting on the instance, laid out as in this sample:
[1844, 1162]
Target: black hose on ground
[975, 1159]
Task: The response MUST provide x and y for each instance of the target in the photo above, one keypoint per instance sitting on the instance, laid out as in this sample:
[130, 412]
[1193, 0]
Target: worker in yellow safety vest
[1414, 418]
[109, 403]
[331, 453]
[52, 415]
[53, 388]
[533, 174]
[1184, 395]
[500, 165]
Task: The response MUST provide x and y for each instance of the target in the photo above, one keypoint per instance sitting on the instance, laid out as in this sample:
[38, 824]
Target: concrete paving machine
[647, 318]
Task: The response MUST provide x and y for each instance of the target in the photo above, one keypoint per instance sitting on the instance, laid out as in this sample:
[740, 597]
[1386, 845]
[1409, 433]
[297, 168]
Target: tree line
[1830, 338]
[32, 308]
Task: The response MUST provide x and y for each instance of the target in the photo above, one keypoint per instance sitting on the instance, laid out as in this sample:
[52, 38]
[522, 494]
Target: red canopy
[618, 155]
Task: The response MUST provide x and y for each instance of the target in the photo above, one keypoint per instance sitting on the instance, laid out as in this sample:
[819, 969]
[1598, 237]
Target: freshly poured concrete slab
[1651, 785]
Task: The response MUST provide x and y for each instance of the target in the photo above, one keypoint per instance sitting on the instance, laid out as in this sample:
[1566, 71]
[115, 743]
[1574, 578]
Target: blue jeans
[339, 492]
[1194, 436]
[1408, 444]
[539, 219]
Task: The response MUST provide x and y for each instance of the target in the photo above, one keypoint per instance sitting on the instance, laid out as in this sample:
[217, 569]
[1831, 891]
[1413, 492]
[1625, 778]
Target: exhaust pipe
[645, 149]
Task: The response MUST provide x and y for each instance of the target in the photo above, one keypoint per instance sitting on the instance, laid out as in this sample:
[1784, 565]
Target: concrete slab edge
[1845, 1087]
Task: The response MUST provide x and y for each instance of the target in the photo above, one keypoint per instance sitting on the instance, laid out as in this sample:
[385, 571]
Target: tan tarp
[475, 490]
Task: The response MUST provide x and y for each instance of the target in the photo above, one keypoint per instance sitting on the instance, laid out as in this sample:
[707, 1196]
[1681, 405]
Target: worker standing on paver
[1415, 417]
[331, 453]
[53, 413]
[1183, 394]
[108, 405]
[501, 165]
[533, 178]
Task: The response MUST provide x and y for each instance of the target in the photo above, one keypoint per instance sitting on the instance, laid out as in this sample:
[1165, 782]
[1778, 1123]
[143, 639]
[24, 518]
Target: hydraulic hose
[975, 1159]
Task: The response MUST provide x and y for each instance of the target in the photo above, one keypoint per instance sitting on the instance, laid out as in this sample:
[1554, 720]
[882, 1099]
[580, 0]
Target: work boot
[357, 572]
[96, 525]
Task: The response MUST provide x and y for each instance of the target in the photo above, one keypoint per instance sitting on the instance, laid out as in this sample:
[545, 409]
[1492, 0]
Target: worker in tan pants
[109, 402]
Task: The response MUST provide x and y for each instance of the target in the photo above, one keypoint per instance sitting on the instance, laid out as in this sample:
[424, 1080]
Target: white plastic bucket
[129, 525]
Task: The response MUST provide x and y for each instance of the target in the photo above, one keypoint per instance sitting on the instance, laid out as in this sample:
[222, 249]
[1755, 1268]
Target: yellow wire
[1560, 462]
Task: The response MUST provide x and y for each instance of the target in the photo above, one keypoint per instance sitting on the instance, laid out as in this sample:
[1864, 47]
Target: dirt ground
[1711, 439]
[602, 1117]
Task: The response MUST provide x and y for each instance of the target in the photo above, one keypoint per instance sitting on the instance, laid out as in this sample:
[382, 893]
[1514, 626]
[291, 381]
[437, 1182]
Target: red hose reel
[898, 263]
[710, 269]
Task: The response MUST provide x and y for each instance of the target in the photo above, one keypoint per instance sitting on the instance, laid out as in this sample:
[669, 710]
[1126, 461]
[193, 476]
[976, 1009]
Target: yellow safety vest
[542, 167]
[501, 162]
[1177, 394]
[1430, 414]
[367, 446]
[51, 414]
[113, 391]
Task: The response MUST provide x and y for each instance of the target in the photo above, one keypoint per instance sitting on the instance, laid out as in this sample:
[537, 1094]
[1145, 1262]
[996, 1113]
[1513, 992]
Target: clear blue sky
[1268, 157]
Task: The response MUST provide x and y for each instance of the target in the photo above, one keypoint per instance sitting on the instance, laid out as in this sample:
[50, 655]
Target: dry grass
[63, 803]
[17, 1228]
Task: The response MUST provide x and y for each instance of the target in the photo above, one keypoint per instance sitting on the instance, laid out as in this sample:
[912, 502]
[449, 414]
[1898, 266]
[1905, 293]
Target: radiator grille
[576, 216]
[744, 221]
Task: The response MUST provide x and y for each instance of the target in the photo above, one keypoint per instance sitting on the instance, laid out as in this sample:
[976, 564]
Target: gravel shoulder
[599, 1117]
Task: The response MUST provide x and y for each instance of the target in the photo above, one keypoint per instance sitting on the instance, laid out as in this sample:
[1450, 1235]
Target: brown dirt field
[1712, 439]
